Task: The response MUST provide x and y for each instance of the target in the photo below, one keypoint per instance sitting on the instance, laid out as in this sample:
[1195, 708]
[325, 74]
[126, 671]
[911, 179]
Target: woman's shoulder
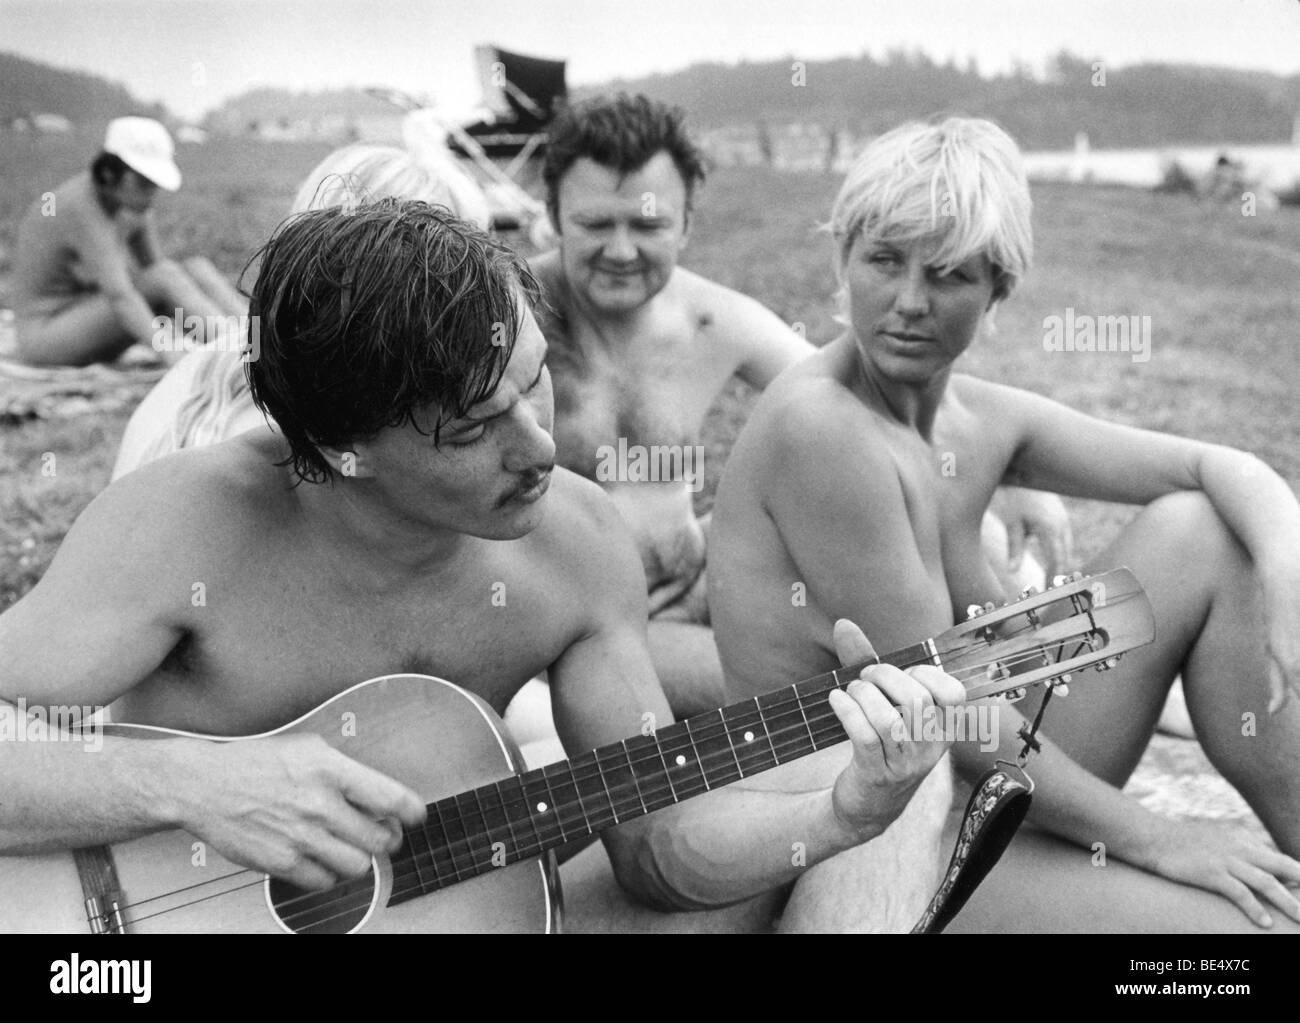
[810, 421]
[978, 393]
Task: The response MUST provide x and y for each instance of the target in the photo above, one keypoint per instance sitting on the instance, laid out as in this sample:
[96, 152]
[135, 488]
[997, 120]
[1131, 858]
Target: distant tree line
[1141, 105]
[28, 87]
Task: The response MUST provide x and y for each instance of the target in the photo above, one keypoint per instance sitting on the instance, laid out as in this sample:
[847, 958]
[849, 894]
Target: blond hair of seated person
[204, 399]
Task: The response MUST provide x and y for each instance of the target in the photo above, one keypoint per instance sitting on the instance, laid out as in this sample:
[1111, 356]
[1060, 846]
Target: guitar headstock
[1080, 622]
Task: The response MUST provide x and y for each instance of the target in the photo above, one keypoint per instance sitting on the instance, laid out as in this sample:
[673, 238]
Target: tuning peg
[1108, 663]
[1014, 695]
[990, 606]
[1028, 591]
[1061, 688]
[973, 611]
[1059, 580]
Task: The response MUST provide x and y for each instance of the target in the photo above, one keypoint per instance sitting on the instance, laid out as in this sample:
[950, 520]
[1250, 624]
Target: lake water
[1274, 166]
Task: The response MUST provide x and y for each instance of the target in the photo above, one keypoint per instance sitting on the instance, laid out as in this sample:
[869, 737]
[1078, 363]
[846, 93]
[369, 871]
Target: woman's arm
[1066, 451]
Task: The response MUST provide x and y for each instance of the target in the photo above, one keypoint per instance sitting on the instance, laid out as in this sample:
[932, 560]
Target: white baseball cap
[144, 145]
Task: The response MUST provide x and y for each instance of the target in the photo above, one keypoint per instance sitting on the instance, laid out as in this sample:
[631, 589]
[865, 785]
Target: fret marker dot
[541, 808]
[681, 760]
[749, 736]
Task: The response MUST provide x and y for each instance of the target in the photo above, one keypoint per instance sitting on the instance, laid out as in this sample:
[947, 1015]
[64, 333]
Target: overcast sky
[192, 54]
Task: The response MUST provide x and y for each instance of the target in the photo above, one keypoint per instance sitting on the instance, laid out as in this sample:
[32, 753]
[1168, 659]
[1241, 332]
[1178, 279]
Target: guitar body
[429, 734]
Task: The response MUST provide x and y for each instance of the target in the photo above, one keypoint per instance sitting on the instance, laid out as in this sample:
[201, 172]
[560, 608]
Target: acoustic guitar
[483, 861]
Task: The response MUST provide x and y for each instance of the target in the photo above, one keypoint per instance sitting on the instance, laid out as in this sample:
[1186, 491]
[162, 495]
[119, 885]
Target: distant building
[336, 128]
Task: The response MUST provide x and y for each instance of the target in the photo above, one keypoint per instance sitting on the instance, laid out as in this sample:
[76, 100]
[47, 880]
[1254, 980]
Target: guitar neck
[520, 817]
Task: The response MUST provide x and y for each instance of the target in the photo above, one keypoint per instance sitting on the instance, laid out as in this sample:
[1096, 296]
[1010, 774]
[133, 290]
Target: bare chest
[262, 656]
[947, 486]
[651, 389]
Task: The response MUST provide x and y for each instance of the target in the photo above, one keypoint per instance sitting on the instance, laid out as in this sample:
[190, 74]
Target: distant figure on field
[89, 276]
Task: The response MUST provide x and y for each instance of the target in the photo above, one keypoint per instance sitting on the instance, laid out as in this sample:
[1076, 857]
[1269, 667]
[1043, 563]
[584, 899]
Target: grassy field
[1220, 289]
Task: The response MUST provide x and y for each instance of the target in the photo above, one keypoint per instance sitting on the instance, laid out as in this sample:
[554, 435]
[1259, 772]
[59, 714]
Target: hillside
[271, 106]
[29, 87]
[1141, 105]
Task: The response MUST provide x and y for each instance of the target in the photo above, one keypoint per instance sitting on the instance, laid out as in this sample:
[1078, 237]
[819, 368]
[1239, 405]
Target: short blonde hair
[961, 182]
[365, 172]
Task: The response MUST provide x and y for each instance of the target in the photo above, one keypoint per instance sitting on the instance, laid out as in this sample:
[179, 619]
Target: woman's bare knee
[1189, 517]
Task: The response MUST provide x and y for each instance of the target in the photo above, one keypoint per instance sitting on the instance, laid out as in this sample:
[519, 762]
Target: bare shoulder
[587, 544]
[809, 412]
[73, 208]
[76, 202]
[547, 269]
[730, 314]
[757, 342]
[980, 394]
[124, 574]
[999, 409]
[581, 520]
[179, 509]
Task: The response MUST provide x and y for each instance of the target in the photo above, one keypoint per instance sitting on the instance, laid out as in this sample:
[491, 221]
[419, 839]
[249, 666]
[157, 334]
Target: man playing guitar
[407, 518]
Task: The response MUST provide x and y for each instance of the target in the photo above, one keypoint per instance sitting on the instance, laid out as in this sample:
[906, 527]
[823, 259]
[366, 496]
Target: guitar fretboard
[520, 817]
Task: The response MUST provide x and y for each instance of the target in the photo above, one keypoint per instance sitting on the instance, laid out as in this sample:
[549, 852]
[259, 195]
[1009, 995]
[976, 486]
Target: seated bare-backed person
[89, 278]
[640, 349]
[411, 480]
[836, 488]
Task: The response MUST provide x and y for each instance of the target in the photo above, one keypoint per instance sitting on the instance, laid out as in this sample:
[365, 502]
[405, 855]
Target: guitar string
[366, 894]
[821, 720]
[474, 834]
[787, 704]
[824, 725]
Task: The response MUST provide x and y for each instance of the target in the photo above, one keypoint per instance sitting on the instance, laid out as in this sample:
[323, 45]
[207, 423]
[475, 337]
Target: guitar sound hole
[337, 910]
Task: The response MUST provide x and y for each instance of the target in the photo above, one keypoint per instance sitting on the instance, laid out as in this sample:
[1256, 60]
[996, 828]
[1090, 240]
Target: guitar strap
[993, 814]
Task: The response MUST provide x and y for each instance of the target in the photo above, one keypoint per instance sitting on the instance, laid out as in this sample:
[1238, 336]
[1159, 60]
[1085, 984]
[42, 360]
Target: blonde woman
[836, 484]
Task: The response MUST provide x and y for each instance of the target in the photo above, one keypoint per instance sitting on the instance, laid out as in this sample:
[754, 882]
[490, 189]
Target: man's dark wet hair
[622, 133]
[375, 316]
[107, 169]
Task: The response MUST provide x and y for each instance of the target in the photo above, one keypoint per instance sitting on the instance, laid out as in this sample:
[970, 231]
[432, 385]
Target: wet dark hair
[107, 169]
[376, 316]
[622, 133]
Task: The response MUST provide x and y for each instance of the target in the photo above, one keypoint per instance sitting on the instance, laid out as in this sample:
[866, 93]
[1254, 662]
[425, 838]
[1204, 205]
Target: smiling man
[640, 348]
[88, 270]
[410, 485]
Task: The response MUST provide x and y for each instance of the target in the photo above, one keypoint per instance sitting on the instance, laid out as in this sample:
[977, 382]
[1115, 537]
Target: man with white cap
[88, 274]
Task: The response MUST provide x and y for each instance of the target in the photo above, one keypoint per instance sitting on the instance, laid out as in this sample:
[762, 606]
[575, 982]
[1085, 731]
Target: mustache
[526, 482]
